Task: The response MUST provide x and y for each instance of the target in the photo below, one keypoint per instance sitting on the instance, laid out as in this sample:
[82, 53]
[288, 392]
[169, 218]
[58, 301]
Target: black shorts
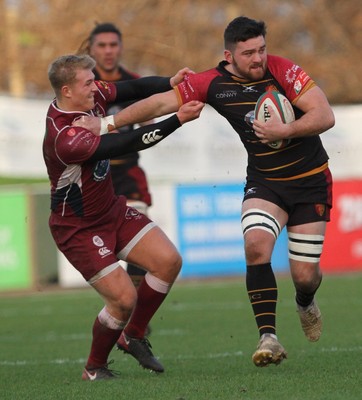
[305, 200]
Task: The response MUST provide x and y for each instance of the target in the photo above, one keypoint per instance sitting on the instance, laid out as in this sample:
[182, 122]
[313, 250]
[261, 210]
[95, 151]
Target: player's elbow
[332, 121]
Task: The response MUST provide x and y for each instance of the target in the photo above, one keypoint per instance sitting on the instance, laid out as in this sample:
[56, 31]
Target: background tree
[160, 36]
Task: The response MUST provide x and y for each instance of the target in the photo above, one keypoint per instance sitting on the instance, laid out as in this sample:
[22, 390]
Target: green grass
[5, 180]
[204, 335]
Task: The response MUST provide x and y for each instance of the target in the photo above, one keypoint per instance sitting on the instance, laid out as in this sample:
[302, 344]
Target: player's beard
[254, 72]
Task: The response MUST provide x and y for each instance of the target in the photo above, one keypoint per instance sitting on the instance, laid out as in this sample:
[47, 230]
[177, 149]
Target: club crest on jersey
[101, 170]
[71, 132]
[320, 209]
[98, 110]
[105, 85]
[132, 213]
[98, 241]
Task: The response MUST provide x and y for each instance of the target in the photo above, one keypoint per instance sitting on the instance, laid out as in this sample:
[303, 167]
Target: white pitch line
[67, 361]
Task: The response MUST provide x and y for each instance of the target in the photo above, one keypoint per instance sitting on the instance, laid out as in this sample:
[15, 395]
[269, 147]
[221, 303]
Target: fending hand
[90, 123]
[180, 75]
[190, 111]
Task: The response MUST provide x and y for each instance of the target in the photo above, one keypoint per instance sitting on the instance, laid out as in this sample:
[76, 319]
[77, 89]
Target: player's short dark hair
[63, 70]
[242, 29]
[106, 27]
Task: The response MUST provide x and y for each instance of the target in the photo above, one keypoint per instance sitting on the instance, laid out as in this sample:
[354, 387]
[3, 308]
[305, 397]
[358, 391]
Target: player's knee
[253, 251]
[170, 266]
[307, 278]
[175, 262]
[126, 301]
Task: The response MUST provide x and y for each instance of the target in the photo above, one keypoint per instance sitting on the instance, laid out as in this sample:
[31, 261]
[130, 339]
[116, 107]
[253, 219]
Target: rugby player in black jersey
[287, 187]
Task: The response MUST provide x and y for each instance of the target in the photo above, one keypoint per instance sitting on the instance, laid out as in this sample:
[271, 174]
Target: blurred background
[160, 36]
[196, 176]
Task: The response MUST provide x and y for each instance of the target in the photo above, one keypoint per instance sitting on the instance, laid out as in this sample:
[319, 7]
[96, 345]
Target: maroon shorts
[305, 200]
[94, 245]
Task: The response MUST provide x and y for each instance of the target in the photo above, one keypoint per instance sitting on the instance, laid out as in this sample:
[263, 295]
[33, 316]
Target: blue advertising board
[209, 231]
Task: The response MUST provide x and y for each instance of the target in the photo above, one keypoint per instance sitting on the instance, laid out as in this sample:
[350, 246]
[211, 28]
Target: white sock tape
[106, 319]
[157, 284]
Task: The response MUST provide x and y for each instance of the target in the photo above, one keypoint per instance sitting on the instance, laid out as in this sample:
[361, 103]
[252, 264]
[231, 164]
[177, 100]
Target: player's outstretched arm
[119, 144]
[143, 110]
[138, 89]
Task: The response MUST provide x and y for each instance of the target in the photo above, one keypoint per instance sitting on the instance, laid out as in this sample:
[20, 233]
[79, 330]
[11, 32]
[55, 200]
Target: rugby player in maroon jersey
[92, 226]
[288, 187]
[105, 46]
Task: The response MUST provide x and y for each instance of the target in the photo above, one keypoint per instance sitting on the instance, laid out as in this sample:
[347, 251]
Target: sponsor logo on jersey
[251, 190]
[105, 85]
[227, 94]
[249, 89]
[185, 88]
[291, 75]
[104, 251]
[98, 241]
[151, 137]
[297, 87]
[303, 77]
[71, 132]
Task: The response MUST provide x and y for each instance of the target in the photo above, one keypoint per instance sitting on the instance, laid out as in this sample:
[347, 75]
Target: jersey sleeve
[75, 145]
[108, 90]
[293, 79]
[194, 87]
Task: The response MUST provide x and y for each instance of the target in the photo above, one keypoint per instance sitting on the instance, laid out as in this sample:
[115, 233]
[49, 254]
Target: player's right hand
[190, 111]
[93, 124]
[180, 75]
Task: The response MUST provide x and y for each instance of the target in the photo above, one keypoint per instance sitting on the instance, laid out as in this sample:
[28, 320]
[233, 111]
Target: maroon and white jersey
[78, 188]
[234, 99]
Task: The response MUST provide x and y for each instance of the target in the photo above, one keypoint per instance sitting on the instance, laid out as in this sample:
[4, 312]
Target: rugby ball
[282, 108]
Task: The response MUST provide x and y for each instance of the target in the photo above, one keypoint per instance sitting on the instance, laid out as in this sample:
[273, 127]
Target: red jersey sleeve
[290, 76]
[75, 145]
[195, 86]
[107, 89]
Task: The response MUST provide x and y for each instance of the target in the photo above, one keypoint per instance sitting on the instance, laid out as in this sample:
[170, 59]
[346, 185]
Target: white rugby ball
[282, 108]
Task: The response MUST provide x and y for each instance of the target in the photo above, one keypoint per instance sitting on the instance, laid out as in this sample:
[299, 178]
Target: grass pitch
[204, 334]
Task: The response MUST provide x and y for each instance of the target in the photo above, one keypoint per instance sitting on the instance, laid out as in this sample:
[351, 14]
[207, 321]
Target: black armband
[137, 89]
[119, 144]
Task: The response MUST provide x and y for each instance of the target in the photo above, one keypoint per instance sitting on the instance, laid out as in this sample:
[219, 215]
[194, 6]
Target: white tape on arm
[107, 124]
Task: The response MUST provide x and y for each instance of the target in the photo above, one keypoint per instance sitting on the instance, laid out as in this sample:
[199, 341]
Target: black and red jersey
[78, 188]
[233, 99]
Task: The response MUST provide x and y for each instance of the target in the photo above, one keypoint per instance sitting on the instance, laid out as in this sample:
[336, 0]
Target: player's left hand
[180, 75]
[190, 111]
[90, 123]
[271, 130]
